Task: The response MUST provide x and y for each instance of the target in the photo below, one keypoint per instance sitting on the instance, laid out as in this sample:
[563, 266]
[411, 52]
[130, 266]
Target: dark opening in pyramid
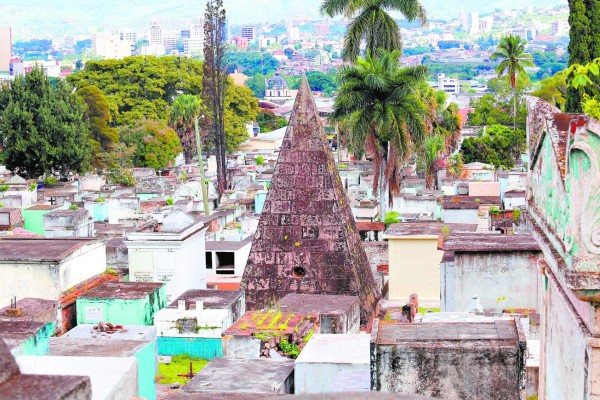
[307, 241]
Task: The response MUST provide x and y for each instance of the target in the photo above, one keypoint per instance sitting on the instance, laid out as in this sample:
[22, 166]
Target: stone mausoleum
[307, 241]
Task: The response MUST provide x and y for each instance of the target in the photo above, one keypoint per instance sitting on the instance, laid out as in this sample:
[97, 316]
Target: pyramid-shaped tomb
[307, 241]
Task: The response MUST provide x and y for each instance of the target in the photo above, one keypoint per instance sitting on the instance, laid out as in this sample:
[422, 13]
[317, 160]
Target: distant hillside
[37, 18]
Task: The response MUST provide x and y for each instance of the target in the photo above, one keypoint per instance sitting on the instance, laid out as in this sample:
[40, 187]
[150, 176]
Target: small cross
[189, 375]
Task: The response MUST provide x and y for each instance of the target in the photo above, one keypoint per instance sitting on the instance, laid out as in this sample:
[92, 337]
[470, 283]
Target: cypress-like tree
[579, 47]
[215, 82]
[42, 127]
[593, 14]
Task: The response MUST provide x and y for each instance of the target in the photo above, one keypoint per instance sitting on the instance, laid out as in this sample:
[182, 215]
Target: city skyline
[42, 18]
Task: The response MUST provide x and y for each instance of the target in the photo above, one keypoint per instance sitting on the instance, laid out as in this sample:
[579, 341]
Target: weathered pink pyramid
[307, 241]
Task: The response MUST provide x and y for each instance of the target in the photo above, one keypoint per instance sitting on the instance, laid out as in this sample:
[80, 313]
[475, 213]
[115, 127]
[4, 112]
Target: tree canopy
[156, 144]
[42, 127]
[553, 89]
[499, 145]
[257, 84]
[241, 108]
[251, 62]
[381, 107]
[268, 121]
[142, 86]
[97, 113]
[373, 23]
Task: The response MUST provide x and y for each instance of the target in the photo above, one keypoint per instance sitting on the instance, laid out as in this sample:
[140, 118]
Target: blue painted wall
[146, 359]
[206, 348]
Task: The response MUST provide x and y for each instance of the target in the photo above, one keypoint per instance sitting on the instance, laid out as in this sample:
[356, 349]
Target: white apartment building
[110, 46]
[448, 85]
[156, 35]
[473, 23]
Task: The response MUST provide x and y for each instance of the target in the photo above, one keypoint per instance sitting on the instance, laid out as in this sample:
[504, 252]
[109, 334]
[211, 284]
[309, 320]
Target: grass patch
[167, 373]
[424, 310]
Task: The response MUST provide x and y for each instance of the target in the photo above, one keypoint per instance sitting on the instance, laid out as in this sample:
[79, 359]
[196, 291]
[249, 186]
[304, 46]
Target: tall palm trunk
[201, 167]
[429, 183]
[383, 198]
[515, 108]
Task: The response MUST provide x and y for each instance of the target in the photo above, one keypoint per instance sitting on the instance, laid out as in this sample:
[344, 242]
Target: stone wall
[502, 280]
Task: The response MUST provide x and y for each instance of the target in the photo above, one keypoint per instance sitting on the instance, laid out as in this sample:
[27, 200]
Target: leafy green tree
[268, 121]
[141, 87]
[97, 113]
[495, 108]
[289, 53]
[500, 146]
[553, 89]
[241, 108]
[156, 144]
[322, 83]
[118, 156]
[252, 62]
[381, 106]
[373, 23]
[585, 78]
[513, 60]
[42, 127]
[257, 85]
[549, 63]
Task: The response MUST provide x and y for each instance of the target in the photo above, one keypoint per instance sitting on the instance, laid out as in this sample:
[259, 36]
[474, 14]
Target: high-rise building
[5, 49]
[292, 32]
[560, 28]
[322, 29]
[110, 46]
[486, 24]
[194, 45]
[462, 19]
[128, 35]
[170, 41]
[448, 85]
[473, 23]
[156, 35]
[248, 32]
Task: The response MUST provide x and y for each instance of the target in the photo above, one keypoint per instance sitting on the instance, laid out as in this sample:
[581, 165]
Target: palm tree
[444, 134]
[455, 165]
[432, 151]
[183, 111]
[373, 23]
[513, 60]
[185, 115]
[381, 107]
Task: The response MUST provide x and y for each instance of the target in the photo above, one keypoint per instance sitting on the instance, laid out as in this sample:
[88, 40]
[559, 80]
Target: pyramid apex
[304, 85]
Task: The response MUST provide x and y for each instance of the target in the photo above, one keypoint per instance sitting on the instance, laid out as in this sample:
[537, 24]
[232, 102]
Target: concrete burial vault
[307, 241]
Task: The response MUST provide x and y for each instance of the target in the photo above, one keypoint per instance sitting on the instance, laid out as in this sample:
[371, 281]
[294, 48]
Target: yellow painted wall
[415, 268]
